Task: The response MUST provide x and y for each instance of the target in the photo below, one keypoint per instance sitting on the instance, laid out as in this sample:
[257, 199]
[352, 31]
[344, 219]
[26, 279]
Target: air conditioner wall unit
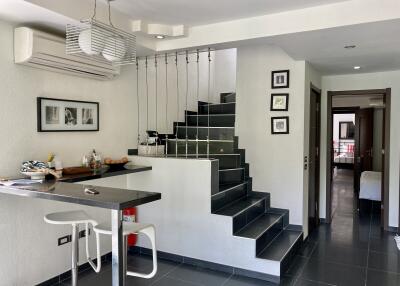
[46, 51]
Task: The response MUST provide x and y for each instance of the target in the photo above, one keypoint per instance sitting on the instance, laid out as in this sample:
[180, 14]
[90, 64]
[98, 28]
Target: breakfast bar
[114, 199]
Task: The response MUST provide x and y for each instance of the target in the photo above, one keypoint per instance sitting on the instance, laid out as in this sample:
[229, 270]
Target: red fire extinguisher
[130, 215]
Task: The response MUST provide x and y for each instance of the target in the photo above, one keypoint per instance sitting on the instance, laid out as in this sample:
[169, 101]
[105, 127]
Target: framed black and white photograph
[280, 125]
[280, 79]
[279, 102]
[62, 115]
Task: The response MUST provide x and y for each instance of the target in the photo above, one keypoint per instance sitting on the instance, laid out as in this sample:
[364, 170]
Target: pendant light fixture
[100, 41]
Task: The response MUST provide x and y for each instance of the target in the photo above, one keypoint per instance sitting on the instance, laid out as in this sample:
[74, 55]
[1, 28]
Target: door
[363, 144]
[313, 161]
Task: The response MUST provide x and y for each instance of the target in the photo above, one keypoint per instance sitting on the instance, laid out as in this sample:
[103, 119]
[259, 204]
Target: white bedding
[345, 158]
[370, 185]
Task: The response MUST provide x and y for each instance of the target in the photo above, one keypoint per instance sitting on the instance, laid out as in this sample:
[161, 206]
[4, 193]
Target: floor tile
[383, 243]
[384, 261]
[342, 255]
[307, 248]
[297, 265]
[168, 281]
[332, 273]
[379, 278]
[245, 281]
[199, 275]
[302, 282]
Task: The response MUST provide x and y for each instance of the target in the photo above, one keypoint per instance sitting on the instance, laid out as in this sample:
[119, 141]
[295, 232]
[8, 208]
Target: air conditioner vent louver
[45, 51]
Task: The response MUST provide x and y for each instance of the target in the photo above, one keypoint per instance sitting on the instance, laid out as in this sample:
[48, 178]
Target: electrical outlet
[64, 240]
[68, 238]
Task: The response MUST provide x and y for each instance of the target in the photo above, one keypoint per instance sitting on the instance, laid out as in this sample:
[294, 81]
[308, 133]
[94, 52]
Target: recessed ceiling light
[160, 37]
[356, 67]
[350, 47]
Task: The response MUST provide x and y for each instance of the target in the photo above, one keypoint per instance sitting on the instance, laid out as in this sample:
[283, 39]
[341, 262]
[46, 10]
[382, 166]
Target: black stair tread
[225, 187]
[222, 103]
[281, 245]
[239, 206]
[231, 169]
[256, 228]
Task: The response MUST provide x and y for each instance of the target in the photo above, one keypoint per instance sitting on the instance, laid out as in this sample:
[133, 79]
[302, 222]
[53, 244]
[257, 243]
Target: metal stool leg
[75, 254]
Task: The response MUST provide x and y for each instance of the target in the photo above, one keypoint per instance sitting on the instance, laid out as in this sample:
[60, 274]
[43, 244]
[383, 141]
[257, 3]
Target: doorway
[314, 158]
[360, 166]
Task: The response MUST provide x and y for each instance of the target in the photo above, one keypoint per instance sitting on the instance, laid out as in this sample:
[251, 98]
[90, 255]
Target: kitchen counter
[63, 190]
[114, 199]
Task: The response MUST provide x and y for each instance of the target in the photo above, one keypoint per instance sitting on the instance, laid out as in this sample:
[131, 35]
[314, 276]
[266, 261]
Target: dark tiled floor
[351, 251]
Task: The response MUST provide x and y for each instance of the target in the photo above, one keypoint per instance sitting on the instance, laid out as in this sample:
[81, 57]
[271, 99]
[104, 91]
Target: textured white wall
[276, 161]
[21, 85]
[183, 219]
[366, 81]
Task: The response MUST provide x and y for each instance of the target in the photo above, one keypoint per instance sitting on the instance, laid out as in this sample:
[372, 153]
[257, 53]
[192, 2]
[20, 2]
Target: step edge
[241, 211]
[265, 230]
[287, 251]
[231, 188]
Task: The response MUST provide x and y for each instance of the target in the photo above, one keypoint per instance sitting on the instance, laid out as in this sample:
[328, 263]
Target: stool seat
[127, 227]
[69, 217]
[75, 218]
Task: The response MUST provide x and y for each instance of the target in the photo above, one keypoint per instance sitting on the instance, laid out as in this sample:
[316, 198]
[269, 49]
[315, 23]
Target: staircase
[252, 216]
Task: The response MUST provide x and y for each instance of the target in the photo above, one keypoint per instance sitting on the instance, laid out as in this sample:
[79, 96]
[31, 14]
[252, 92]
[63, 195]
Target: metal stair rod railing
[138, 104]
[177, 102]
[186, 103]
[156, 100]
[166, 105]
[147, 108]
[198, 113]
[208, 103]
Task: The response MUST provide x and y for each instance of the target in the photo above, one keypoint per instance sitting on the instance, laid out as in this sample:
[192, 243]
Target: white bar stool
[134, 228]
[75, 218]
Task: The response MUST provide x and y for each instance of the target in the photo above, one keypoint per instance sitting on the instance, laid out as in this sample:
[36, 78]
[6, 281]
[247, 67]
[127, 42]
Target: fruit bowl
[116, 166]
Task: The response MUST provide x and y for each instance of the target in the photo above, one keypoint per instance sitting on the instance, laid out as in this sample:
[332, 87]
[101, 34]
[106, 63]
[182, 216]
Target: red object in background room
[130, 214]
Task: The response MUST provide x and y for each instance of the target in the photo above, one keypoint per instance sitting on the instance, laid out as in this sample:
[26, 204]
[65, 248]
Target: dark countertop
[64, 191]
[104, 173]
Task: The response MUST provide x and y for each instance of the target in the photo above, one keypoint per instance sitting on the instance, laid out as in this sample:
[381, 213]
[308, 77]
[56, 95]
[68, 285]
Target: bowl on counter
[116, 166]
[35, 175]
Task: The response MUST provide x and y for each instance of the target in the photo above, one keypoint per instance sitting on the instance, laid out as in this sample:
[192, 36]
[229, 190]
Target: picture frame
[280, 125]
[279, 102]
[63, 115]
[280, 79]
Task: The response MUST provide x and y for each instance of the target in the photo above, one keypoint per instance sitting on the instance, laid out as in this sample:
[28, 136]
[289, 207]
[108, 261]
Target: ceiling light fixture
[349, 47]
[356, 67]
[160, 37]
[100, 41]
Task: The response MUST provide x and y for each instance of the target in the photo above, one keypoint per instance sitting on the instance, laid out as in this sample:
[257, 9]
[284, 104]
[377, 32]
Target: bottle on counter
[95, 160]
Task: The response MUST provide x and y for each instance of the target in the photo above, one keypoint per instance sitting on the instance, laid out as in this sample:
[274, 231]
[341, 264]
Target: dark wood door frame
[316, 163]
[386, 143]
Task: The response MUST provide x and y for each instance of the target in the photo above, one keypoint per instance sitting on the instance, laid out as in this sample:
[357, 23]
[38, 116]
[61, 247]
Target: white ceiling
[377, 47]
[199, 12]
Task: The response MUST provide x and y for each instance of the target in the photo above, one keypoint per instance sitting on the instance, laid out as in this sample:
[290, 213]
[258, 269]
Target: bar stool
[75, 218]
[133, 228]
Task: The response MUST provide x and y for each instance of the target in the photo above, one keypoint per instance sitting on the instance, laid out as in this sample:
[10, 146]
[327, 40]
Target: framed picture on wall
[62, 115]
[279, 102]
[280, 125]
[280, 79]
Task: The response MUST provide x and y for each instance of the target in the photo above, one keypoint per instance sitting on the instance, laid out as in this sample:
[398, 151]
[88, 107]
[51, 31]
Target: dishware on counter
[37, 170]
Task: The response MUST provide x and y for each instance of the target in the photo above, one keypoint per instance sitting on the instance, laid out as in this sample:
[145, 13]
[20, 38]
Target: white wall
[183, 219]
[366, 81]
[21, 85]
[276, 161]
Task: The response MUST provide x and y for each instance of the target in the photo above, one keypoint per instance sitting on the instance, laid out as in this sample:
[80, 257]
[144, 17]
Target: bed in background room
[370, 186]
